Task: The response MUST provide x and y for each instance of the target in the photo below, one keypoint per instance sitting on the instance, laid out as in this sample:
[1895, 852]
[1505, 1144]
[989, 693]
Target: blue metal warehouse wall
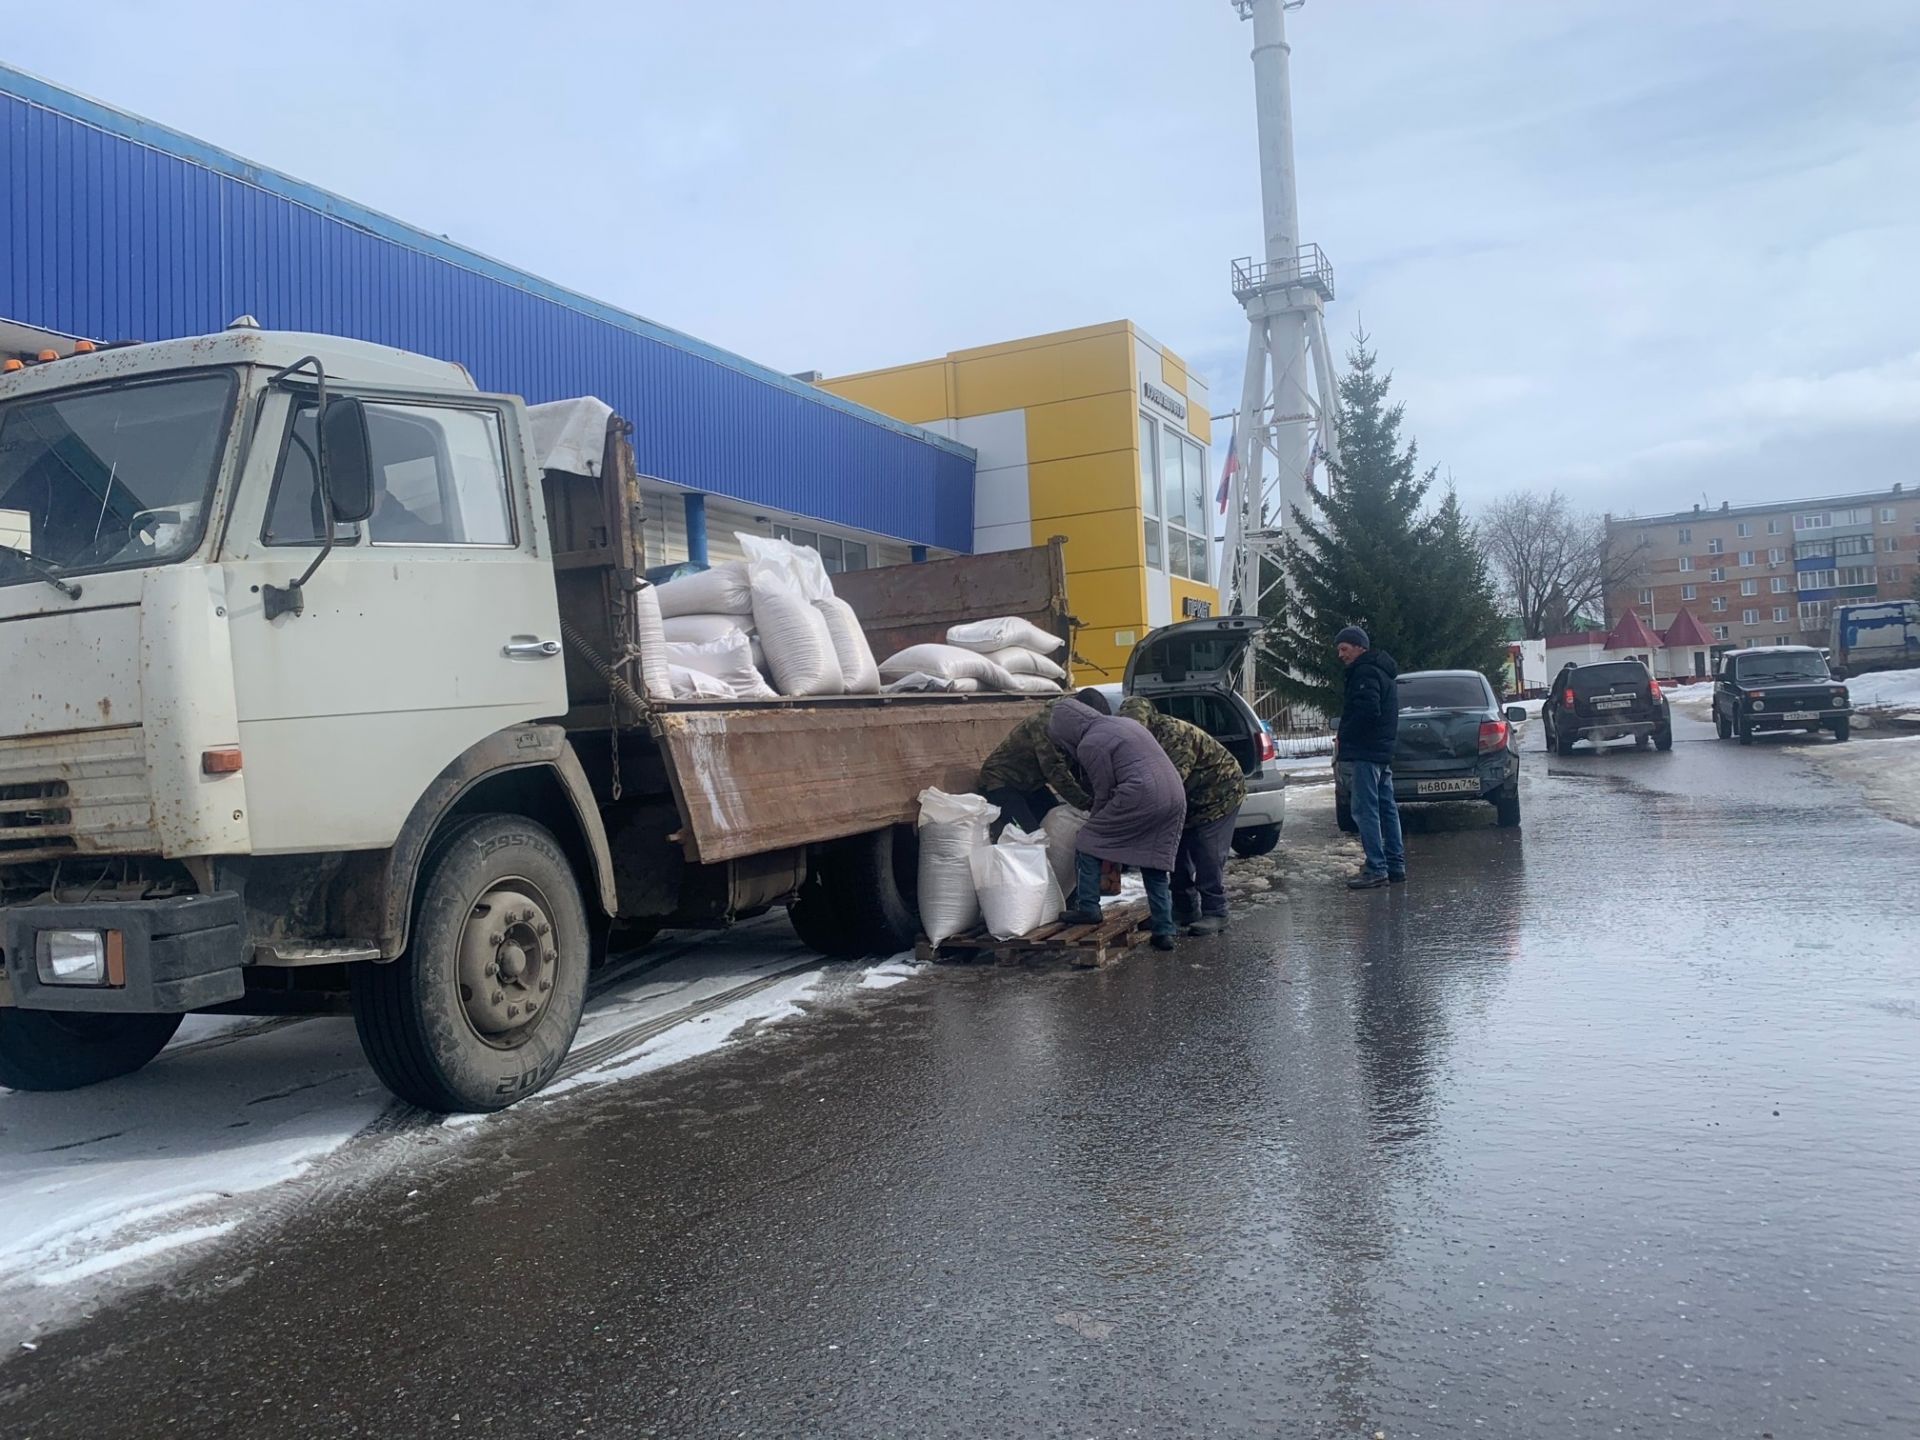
[117, 228]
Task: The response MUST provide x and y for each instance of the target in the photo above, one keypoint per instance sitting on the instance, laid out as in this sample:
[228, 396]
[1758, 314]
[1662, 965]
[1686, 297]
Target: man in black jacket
[1369, 724]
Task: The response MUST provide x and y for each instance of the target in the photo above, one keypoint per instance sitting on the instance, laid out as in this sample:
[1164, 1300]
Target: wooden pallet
[1085, 947]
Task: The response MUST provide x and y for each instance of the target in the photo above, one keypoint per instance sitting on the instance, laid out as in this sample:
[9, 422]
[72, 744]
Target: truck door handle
[526, 647]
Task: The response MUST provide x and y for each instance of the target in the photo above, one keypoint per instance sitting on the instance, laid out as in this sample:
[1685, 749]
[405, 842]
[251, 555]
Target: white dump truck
[317, 690]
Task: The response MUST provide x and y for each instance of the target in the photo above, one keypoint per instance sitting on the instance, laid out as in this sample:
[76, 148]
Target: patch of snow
[1894, 692]
[889, 973]
[101, 1185]
[699, 1035]
[201, 1125]
[139, 1250]
[1887, 772]
[1296, 747]
[1696, 698]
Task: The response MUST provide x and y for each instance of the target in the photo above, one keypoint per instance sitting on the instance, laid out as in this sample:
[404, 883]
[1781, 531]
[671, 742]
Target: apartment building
[1768, 574]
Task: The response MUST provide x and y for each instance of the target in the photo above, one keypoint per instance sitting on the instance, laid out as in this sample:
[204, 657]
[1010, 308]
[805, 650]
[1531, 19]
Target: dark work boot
[1208, 925]
[1080, 917]
[1367, 880]
[1186, 909]
[1163, 942]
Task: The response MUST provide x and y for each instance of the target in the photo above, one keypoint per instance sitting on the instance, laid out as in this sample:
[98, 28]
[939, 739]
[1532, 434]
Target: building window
[1890, 573]
[1813, 614]
[1749, 617]
[1813, 547]
[1719, 603]
[1715, 547]
[1774, 557]
[1812, 522]
[1779, 584]
[1853, 517]
[1719, 572]
[1183, 491]
[1779, 614]
[1686, 534]
[1743, 529]
[1689, 592]
[1854, 545]
[1719, 632]
[1773, 526]
[1886, 514]
[837, 553]
[1891, 542]
[1646, 597]
[1779, 639]
[1746, 557]
[1686, 562]
[1749, 587]
[1814, 580]
[1856, 575]
[1150, 489]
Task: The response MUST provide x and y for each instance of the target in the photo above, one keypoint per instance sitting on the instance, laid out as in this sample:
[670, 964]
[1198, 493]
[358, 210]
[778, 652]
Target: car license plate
[1621, 704]
[1449, 787]
[1801, 715]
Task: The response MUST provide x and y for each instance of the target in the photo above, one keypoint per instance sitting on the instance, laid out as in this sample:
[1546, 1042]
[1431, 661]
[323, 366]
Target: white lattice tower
[1287, 399]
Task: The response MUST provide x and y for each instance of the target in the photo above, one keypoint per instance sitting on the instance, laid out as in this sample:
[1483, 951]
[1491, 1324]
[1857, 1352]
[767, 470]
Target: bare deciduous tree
[1552, 562]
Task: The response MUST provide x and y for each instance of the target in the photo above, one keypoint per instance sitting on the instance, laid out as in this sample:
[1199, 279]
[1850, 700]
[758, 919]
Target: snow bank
[1894, 692]
[1887, 772]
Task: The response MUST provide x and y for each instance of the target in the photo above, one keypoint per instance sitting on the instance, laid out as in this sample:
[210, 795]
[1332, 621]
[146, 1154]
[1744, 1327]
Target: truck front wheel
[482, 1008]
[58, 1050]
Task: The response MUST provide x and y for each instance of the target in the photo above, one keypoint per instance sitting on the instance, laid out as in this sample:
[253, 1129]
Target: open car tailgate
[769, 777]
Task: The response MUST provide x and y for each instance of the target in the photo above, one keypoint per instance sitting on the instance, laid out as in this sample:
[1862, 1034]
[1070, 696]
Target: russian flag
[1230, 469]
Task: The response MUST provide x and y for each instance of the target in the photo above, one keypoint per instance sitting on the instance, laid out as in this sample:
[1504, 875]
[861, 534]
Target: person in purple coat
[1139, 810]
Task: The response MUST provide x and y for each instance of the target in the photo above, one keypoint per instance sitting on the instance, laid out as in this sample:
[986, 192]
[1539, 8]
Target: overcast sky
[1646, 251]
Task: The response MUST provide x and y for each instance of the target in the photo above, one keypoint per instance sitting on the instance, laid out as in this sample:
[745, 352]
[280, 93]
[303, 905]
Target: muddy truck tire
[858, 899]
[481, 1009]
[60, 1050]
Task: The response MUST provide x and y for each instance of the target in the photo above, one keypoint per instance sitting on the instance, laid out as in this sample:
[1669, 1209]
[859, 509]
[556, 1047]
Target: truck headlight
[71, 957]
[1759, 704]
[1840, 698]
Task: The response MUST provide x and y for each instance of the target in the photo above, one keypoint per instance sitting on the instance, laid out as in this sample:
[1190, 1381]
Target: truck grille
[74, 794]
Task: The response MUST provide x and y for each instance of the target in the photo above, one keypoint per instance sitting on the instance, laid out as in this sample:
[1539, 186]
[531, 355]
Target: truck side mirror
[1516, 715]
[346, 456]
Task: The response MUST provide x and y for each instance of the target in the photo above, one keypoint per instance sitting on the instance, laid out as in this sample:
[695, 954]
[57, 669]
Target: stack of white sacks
[727, 632]
[770, 625]
[1012, 887]
[1008, 654]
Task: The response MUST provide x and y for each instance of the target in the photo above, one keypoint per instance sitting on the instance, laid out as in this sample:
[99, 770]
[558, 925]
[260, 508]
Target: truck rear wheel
[59, 1050]
[482, 1008]
[859, 899]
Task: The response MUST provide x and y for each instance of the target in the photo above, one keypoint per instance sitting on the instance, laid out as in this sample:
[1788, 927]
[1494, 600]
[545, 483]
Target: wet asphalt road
[1611, 1126]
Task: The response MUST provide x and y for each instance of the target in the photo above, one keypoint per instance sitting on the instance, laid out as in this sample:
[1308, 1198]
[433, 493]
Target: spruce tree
[1371, 555]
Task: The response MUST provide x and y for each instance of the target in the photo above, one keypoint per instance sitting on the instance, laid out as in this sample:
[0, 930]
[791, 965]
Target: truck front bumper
[159, 956]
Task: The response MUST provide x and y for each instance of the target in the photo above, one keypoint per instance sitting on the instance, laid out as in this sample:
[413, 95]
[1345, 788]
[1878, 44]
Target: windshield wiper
[45, 569]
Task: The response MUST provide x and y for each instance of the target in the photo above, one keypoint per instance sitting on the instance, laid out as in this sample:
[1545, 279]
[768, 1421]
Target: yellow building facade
[1100, 435]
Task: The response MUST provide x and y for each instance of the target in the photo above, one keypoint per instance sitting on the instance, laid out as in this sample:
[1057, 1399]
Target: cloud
[1647, 247]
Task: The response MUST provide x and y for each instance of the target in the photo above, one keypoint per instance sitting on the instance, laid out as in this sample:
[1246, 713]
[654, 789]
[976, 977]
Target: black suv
[1607, 701]
[1777, 687]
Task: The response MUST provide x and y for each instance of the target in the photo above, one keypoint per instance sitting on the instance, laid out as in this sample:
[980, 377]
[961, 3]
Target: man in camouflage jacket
[1027, 772]
[1216, 787]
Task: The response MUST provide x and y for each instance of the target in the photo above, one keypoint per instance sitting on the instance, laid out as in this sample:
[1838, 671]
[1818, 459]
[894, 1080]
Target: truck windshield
[1760, 669]
[109, 477]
